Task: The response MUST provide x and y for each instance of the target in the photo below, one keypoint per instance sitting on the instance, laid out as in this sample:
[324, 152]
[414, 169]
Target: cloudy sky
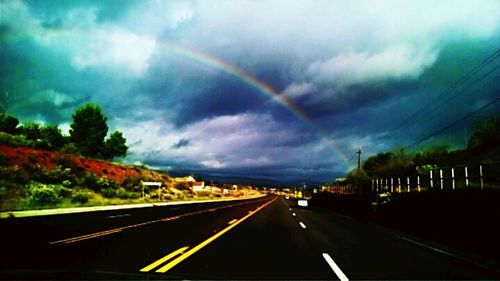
[266, 89]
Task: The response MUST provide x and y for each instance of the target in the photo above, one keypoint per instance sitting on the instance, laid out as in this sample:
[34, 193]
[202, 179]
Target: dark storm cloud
[356, 77]
[181, 143]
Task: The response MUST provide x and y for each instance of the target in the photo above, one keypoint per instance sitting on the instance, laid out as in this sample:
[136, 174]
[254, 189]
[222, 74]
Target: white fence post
[392, 184]
[399, 185]
[453, 178]
[466, 178]
[418, 183]
[481, 176]
[441, 178]
[432, 182]
[408, 183]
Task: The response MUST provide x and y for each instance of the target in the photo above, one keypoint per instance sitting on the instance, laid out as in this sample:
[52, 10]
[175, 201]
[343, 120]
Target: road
[265, 238]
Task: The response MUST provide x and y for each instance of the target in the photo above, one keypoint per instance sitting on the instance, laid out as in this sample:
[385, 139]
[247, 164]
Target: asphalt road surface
[265, 238]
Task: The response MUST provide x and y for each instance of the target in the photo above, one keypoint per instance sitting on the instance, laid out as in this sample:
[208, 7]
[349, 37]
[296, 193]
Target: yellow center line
[186, 255]
[233, 221]
[115, 230]
[164, 259]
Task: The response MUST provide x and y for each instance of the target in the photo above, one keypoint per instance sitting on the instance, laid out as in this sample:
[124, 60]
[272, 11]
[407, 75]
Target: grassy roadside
[94, 199]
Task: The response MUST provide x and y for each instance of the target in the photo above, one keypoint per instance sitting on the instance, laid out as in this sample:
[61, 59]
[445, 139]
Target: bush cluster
[40, 194]
[80, 197]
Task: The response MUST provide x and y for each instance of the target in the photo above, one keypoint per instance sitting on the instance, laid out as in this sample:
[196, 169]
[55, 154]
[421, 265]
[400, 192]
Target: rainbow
[251, 80]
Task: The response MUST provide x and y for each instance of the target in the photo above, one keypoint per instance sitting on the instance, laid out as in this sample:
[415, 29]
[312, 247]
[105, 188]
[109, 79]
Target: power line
[352, 159]
[451, 88]
[456, 122]
[446, 101]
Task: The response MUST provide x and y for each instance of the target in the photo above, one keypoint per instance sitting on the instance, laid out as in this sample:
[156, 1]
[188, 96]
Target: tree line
[87, 134]
[483, 146]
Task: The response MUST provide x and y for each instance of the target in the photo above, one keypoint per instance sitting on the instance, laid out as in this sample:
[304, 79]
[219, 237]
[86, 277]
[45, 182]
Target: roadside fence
[477, 177]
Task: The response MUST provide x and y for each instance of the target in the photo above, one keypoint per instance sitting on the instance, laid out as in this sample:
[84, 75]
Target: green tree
[432, 155]
[376, 165]
[88, 130]
[8, 123]
[53, 136]
[31, 130]
[484, 143]
[115, 146]
[486, 133]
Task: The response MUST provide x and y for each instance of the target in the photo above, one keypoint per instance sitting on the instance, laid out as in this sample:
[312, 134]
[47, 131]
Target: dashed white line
[118, 216]
[293, 214]
[335, 267]
[302, 225]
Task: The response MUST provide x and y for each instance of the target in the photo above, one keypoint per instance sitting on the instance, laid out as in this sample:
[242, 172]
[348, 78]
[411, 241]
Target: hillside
[33, 178]
[27, 158]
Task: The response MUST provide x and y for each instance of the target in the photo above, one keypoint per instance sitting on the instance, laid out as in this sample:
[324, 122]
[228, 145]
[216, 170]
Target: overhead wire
[431, 105]
[456, 121]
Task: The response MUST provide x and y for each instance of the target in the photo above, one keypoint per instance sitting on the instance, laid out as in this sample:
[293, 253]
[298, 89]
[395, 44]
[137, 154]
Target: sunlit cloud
[355, 68]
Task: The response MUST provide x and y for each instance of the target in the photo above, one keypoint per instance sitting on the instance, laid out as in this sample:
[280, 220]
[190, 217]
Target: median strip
[195, 249]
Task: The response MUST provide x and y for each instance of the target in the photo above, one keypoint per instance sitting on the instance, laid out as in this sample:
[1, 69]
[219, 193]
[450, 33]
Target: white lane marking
[426, 246]
[118, 216]
[302, 225]
[290, 209]
[335, 267]
[445, 252]
[293, 214]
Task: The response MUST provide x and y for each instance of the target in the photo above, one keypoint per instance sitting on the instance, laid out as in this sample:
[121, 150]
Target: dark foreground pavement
[263, 238]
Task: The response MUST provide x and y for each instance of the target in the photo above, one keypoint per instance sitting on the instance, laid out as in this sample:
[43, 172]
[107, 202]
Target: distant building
[340, 180]
[198, 185]
[185, 179]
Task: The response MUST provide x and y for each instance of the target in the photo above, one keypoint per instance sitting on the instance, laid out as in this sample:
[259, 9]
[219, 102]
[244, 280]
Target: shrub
[180, 196]
[96, 183]
[168, 197]
[14, 141]
[3, 160]
[108, 192]
[70, 148]
[42, 194]
[13, 174]
[67, 162]
[134, 182]
[81, 198]
[54, 176]
[124, 194]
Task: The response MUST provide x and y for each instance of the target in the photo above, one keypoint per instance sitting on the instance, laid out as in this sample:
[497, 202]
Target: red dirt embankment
[20, 156]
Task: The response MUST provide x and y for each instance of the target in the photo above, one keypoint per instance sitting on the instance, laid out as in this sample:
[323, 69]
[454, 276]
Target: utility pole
[359, 159]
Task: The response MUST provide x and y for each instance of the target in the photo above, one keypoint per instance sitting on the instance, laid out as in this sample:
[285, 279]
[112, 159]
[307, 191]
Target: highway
[259, 239]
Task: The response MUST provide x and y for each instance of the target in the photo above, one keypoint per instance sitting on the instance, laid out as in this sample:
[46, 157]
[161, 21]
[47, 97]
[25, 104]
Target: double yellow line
[182, 251]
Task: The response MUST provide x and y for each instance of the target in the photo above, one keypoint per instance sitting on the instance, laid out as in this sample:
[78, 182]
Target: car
[302, 202]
